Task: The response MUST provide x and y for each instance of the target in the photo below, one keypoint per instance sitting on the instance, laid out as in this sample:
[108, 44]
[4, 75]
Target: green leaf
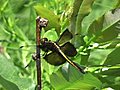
[76, 6]
[7, 84]
[110, 30]
[97, 56]
[4, 35]
[110, 78]
[99, 8]
[85, 8]
[74, 80]
[51, 35]
[84, 58]
[52, 18]
[113, 58]
[111, 71]
[114, 43]
[9, 75]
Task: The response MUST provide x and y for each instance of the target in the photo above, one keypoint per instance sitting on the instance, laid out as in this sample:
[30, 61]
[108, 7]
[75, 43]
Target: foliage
[95, 25]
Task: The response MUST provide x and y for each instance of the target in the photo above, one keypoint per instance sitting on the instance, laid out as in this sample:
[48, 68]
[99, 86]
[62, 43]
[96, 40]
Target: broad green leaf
[98, 56]
[9, 75]
[106, 28]
[113, 58]
[76, 6]
[99, 8]
[84, 9]
[111, 19]
[74, 80]
[110, 82]
[111, 79]
[52, 18]
[7, 84]
[110, 30]
[51, 35]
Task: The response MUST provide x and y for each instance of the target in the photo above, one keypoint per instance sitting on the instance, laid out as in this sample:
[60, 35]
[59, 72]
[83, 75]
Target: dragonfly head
[43, 40]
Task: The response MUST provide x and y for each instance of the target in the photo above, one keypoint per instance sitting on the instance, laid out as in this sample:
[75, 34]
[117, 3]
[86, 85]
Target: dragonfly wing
[54, 58]
[69, 49]
[65, 37]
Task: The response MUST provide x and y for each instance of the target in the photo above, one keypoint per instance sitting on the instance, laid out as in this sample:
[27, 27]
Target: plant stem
[38, 58]
[40, 23]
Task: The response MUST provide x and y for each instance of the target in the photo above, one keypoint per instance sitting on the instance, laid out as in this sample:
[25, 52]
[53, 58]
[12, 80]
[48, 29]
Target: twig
[40, 22]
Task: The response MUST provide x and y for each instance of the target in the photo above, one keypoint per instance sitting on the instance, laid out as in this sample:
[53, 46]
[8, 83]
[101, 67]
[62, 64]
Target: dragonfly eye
[43, 40]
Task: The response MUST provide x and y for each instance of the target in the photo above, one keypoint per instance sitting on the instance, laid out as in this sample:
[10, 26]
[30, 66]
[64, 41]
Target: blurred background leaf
[9, 77]
[52, 18]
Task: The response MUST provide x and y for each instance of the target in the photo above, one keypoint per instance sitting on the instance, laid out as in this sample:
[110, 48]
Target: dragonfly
[58, 52]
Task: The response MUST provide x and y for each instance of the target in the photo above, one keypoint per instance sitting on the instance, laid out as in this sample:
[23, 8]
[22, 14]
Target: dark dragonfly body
[56, 54]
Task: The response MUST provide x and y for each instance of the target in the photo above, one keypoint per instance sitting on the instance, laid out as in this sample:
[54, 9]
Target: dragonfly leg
[28, 64]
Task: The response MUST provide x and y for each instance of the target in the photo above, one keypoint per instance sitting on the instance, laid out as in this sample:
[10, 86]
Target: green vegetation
[95, 25]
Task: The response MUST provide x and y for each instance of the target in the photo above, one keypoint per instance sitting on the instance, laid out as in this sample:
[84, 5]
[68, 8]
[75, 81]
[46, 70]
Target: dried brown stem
[40, 22]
